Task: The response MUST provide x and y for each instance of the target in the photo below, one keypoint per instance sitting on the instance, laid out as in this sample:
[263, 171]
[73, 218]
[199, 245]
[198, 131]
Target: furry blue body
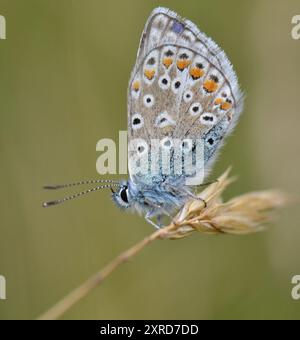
[162, 198]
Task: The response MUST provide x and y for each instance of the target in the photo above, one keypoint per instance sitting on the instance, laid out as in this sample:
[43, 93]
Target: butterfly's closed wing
[182, 86]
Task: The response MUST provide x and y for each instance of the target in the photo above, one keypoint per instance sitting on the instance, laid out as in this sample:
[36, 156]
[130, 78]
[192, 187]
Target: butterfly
[183, 93]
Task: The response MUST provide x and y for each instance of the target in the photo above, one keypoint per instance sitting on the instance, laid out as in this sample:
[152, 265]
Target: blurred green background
[64, 69]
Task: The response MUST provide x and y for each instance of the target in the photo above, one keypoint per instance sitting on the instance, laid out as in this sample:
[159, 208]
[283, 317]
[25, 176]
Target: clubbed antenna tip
[50, 203]
[53, 187]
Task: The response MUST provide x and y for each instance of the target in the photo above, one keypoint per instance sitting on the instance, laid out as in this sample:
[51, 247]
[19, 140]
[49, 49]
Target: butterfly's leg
[148, 219]
[197, 198]
[159, 221]
[189, 193]
[154, 213]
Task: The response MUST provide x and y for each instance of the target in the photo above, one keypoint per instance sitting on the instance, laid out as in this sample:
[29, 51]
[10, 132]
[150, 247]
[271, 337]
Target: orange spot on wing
[210, 86]
[226, 106]
[167, 62]
[219, 101]
[149, 74]
[182, 64]
[136, 86]
[196, 72]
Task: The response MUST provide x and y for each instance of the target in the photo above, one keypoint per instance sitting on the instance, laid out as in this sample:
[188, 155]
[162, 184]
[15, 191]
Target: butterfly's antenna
[60, 186]
[69, 198]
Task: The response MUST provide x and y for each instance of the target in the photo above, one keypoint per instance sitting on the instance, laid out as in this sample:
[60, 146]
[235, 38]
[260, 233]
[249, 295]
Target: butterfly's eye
[124, 194]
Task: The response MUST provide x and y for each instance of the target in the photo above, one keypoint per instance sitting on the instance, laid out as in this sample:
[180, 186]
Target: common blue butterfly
[182, 88]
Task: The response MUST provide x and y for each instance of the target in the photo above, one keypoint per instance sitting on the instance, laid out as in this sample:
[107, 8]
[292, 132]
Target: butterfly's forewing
[182, 86]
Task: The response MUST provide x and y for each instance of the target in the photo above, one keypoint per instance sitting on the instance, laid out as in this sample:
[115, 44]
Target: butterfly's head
[121, 196]
[120, 191]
